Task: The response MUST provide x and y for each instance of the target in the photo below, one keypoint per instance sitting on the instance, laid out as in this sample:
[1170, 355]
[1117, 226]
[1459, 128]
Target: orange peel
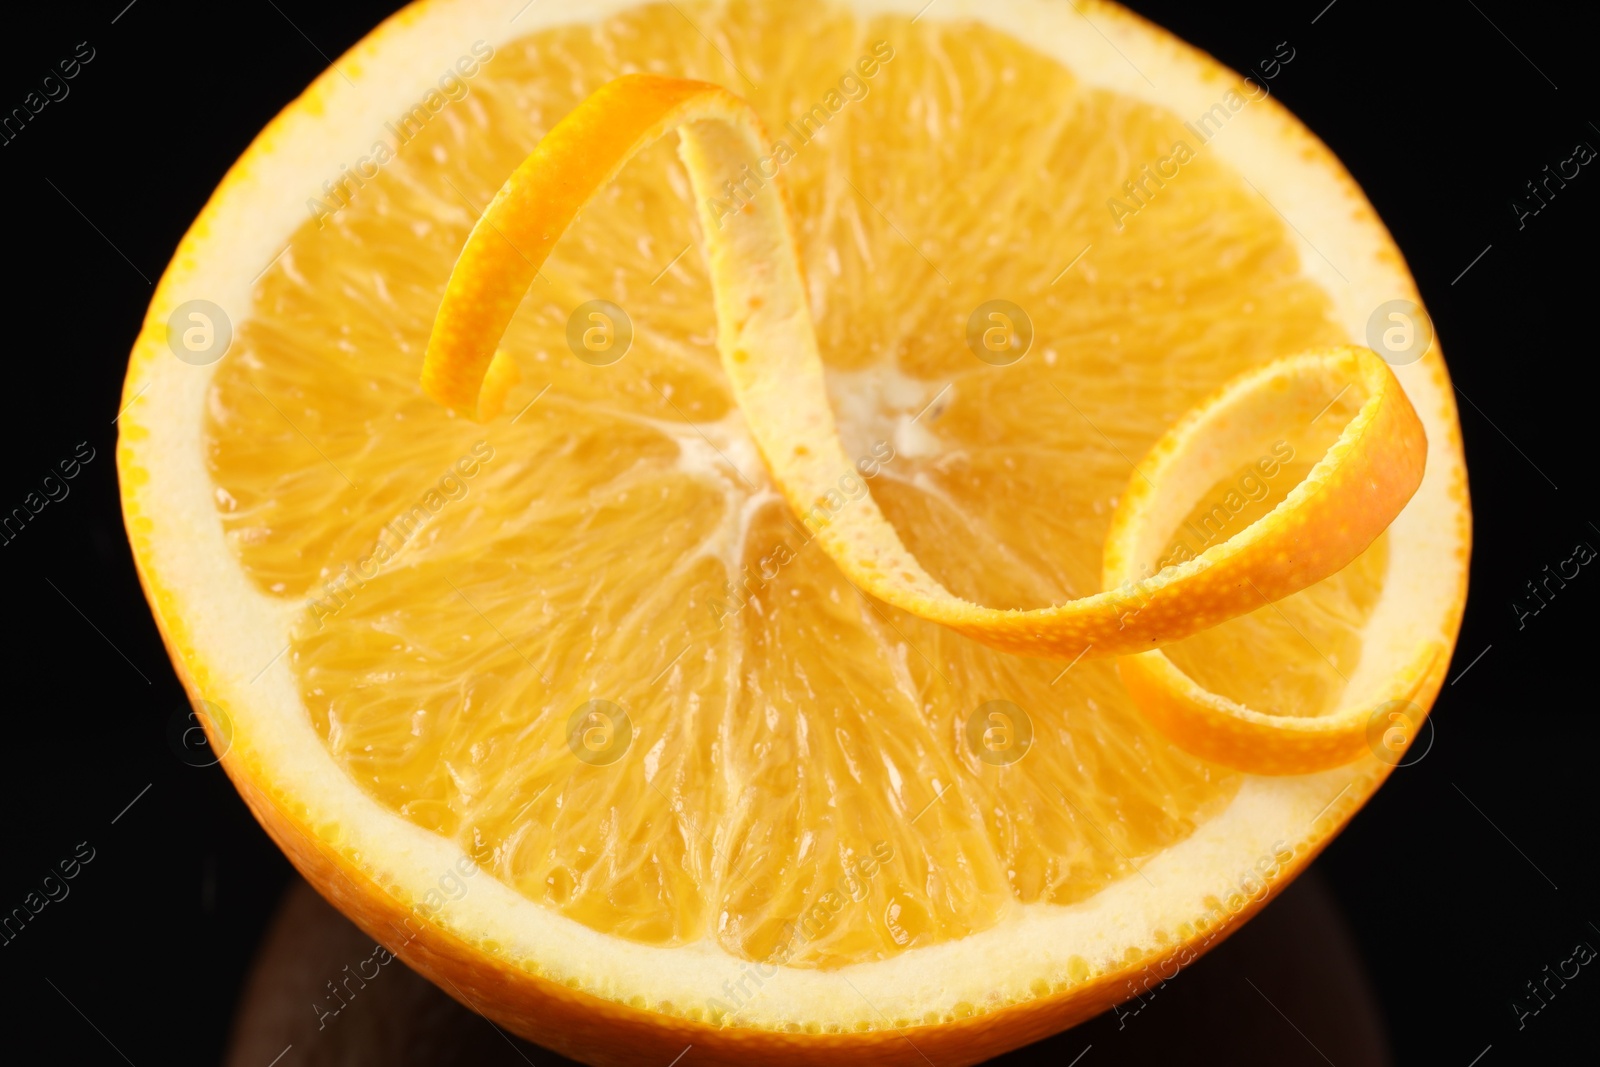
[769, 351]
[1257, 742]
[1332, 515]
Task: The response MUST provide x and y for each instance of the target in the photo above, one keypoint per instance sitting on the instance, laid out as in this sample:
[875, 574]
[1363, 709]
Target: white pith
[236, 631]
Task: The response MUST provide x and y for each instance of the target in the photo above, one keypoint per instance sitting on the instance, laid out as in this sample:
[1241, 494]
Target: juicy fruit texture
[787, 727]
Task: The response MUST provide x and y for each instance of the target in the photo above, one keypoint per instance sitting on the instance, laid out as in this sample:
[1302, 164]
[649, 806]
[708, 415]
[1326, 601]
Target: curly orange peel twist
[1349, 496]
[769, 351]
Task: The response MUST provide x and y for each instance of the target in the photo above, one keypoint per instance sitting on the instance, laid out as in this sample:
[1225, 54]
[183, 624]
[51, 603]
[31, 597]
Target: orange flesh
[593, 548]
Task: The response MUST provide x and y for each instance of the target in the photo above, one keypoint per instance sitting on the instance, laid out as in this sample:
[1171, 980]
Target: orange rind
[1346, 500]
[769, 352]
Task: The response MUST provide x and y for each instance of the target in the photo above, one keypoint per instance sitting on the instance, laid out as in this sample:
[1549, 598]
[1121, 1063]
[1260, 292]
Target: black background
[1454, 902]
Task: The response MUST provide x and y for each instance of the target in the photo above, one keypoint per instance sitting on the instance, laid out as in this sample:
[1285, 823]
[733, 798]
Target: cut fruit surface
[588, 647]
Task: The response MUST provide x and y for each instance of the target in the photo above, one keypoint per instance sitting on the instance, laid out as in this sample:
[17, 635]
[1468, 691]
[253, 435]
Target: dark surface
[1228, 1002]
[1467, 875]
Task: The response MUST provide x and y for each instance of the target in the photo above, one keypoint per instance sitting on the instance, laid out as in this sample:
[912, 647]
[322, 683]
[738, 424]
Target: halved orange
[567, 709]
